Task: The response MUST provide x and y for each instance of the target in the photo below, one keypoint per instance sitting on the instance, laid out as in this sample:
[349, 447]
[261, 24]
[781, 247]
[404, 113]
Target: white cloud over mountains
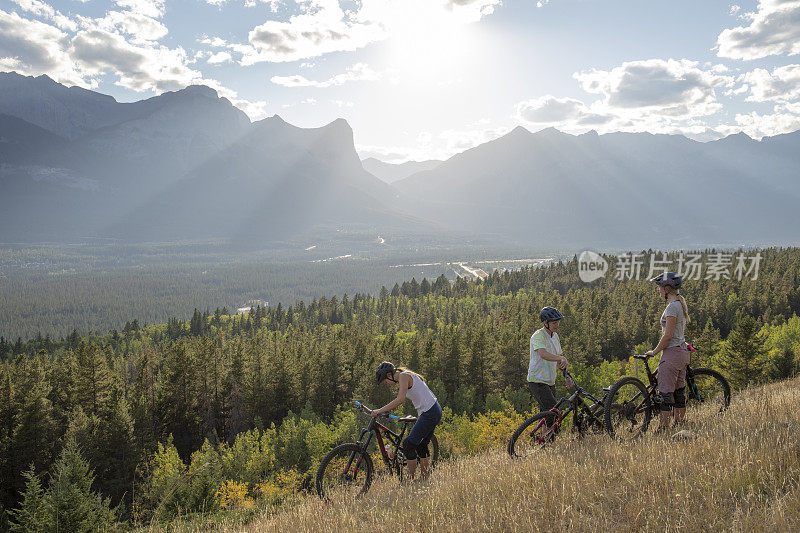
[773, 29]
[780, 85]
[567, 113]
[670, 88]
[124, 42]
[656, 95]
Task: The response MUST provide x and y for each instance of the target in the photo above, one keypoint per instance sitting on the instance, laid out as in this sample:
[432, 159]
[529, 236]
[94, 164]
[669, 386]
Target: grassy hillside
[740, 473]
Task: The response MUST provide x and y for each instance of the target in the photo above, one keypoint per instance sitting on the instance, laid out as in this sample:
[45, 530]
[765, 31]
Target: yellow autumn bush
[234, 495]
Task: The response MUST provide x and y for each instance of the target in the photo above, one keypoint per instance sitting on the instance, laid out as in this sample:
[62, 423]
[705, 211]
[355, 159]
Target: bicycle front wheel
[708, 387]
[628, 409]
[344, 473]
[533, 435]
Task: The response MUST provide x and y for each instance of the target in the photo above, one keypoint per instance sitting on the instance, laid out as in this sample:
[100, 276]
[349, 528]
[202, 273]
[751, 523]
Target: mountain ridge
[86, 172]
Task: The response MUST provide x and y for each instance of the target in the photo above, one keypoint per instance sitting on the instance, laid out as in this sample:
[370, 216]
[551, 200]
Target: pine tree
[197, 325]
[70, 501]
[707, 345]
[32, 516]
[35, 430]
[177, 400]
[94, 378]
[7, 417]
[451, 371]
[743, 354]
[424, 286]
[478, 370]
[783, 365]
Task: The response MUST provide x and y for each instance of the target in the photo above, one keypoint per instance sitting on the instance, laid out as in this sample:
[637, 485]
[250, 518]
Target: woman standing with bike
[674, 352]
[429, 413]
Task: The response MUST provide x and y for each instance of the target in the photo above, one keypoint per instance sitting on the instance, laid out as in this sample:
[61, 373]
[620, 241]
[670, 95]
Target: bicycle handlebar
[367, 410]
[568, 376]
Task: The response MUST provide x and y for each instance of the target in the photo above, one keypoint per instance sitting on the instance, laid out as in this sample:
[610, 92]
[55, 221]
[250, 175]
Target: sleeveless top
[419, 394]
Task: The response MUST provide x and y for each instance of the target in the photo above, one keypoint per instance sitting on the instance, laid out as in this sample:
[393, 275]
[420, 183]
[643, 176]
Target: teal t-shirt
[539, 370]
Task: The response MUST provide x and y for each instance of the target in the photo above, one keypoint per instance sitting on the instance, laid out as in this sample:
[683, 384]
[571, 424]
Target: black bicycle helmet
[383, 370]
[550, 314]
[668, 279]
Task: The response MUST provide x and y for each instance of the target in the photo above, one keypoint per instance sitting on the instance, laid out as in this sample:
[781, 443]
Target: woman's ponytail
[685, 307]
[401, 369]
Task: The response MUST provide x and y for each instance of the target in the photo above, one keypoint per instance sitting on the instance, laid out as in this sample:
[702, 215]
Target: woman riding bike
[545, 359]
[674, 351]
[429, 413]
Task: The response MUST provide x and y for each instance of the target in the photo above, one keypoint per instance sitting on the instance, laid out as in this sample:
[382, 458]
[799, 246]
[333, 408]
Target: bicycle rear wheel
[708, 387]
[344, 473]
[533, 434]
[628, 409]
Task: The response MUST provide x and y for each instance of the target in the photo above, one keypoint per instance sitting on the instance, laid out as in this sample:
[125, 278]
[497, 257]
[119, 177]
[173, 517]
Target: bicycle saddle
[642, 356]
[408, 418]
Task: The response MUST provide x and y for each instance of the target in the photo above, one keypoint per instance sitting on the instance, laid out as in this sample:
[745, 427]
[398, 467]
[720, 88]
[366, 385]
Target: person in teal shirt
[546, 359]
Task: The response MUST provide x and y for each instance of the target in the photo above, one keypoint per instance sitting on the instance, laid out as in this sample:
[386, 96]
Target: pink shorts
[672, 368]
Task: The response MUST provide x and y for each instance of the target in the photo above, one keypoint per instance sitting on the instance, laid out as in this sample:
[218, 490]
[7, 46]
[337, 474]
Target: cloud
[782, 85]
[671, 88]
[564, 112]
[124, 43]
[220, 57]
[774, 29]
[148, 8]
[320, 28]
[358, 72]
[323, 26]
[46, 11]
[654, 95]
[273, 4]
[137, 27]
[31, 47]
[140, 68]
[756, 125]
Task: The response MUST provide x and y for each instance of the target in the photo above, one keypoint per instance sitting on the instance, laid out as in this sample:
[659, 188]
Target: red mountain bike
[347, 470]
[540, 429]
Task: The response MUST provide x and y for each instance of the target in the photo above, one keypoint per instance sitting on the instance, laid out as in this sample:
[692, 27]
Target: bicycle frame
[379, 431]
[652, 377]
[577, 404]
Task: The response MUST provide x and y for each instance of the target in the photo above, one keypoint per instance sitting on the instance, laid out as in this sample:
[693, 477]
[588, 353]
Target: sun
[429, 48]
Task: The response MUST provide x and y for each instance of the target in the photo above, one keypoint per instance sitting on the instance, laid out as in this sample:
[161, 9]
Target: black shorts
[545, 394]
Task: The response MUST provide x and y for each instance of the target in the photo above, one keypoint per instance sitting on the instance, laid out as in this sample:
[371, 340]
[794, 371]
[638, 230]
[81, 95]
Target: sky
[425, 79]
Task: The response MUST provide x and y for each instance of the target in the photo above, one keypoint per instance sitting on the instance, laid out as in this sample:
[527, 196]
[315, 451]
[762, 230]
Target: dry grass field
[740, 473]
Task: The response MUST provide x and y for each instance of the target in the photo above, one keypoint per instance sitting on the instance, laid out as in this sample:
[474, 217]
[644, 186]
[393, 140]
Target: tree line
[138, 408]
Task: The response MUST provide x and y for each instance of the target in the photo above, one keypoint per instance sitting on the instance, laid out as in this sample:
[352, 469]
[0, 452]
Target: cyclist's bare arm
[402, 384]
[547, 356]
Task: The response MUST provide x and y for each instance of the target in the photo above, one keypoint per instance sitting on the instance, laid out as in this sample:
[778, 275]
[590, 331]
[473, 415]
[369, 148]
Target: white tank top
[419, 394]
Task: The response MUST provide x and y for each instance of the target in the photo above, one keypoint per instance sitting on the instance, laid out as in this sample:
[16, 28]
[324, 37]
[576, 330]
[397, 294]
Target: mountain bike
[347, 470]
[630, 404]
[541, 428]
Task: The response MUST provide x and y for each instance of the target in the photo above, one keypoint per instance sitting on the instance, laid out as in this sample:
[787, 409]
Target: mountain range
[77, 164]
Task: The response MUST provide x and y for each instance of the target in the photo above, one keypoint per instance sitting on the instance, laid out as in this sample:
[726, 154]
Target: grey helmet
[668, 279]
[384, 369]
[550, 314]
